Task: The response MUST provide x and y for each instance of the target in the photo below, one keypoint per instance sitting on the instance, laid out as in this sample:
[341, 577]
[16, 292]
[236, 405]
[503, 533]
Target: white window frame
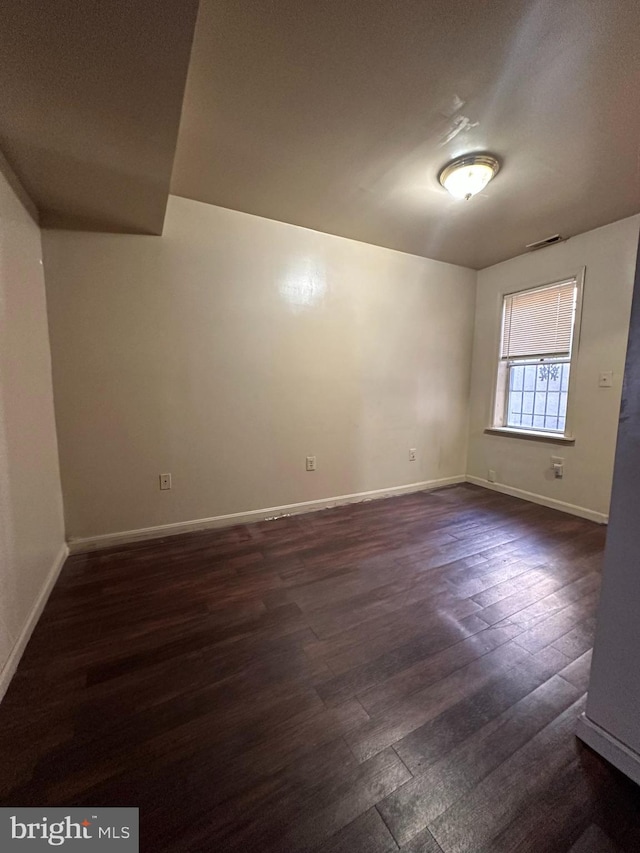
[500, 373]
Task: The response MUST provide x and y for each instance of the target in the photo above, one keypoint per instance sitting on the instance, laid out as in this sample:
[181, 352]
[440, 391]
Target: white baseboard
[609, 747]
[572, 509]
[20, 645]
[126, 537]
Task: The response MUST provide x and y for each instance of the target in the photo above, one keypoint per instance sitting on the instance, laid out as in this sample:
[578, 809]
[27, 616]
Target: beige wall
[31, 526]
[524, 465]
[231, 348]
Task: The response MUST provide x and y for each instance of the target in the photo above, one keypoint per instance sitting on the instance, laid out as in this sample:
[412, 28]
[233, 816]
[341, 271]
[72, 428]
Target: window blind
[539, 322]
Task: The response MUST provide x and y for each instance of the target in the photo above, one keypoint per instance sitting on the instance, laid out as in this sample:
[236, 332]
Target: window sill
[531, 435]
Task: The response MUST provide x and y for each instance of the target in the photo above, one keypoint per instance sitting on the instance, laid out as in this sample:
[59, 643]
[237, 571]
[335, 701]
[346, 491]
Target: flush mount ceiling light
[468, 175]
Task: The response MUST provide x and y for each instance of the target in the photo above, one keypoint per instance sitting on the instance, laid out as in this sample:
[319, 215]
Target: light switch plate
[605, 379]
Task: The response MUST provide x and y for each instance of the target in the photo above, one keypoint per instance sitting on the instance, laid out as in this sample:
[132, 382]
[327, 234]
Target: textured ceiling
[91, 99]
[335, 115]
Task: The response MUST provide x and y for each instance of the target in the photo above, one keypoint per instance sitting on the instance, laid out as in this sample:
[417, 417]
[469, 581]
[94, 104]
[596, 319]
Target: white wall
[231, 348]
[612, 724]
[523, 465]
[31, 526]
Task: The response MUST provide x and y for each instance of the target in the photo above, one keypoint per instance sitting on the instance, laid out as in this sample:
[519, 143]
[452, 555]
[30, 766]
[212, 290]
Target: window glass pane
[555, 374]
[542, 402]
[517, 374]
[563, 404]
[515, 402]
[542, 379]
[553, 403]
[529, 377]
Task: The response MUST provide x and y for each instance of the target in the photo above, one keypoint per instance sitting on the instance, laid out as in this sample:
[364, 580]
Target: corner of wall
[32, 541]
[11, 664]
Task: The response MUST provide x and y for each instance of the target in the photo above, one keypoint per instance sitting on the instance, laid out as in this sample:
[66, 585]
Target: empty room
[320, 426]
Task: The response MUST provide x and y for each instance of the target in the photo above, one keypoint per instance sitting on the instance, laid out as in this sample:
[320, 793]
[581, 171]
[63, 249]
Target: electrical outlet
[557, 464]
[491, 476]
[165, 481]
[413, 454]
[311, 463]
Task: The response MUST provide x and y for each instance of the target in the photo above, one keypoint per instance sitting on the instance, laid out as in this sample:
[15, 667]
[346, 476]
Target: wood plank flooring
[399, 674]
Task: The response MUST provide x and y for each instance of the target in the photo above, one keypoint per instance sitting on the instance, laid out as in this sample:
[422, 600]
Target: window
[536, 348]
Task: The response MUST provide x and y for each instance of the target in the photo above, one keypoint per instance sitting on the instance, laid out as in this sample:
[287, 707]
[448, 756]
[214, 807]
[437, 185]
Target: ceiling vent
[548, 241]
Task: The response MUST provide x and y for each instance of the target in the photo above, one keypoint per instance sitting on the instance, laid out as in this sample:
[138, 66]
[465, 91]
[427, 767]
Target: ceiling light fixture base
[467, 175]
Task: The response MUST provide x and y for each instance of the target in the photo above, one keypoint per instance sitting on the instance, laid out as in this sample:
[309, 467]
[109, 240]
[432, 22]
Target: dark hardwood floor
[405, 673]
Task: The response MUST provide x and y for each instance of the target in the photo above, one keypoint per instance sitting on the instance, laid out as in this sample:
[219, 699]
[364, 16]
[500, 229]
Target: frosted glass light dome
[468, 175]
